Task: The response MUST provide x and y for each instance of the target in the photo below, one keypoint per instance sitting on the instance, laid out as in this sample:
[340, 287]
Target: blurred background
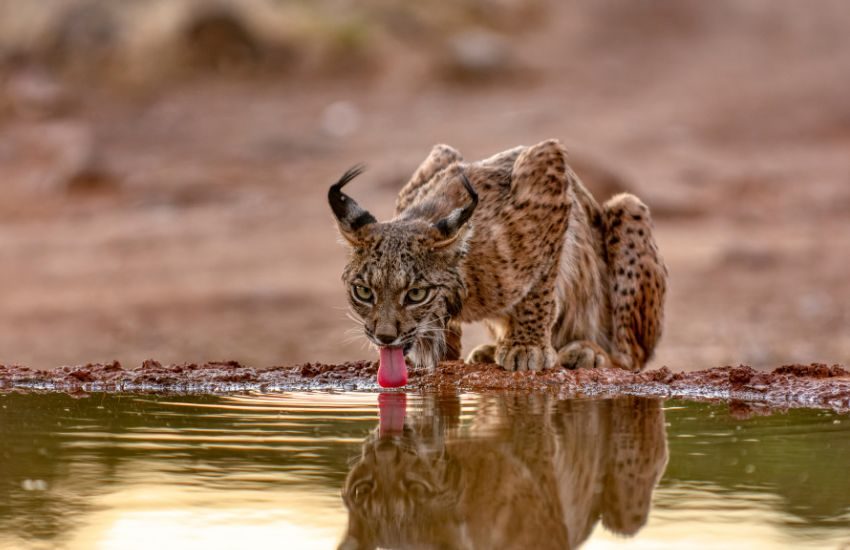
[164, 163]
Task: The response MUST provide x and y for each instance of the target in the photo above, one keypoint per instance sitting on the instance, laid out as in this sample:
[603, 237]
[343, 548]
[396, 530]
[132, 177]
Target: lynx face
[402, 278]
[402, 289]
[400, 495]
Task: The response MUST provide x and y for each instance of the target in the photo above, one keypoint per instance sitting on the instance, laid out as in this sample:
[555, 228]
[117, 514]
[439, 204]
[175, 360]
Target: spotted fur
[517, 241]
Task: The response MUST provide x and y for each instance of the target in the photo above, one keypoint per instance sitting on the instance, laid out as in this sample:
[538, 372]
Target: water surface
[362, 470]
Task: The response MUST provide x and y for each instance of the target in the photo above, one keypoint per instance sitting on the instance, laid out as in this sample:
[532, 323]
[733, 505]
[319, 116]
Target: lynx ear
[449, 227]
[349, 215]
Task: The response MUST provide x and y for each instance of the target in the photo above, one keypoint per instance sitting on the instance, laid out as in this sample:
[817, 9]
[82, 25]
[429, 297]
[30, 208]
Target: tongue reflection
[392, 407]
[392, 370]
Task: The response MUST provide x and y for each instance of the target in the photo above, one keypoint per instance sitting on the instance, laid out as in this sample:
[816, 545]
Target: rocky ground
[815, 385]
[185, 218]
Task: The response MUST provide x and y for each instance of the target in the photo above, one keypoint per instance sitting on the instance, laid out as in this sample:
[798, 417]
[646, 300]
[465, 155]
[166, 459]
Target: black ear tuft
[349, 214]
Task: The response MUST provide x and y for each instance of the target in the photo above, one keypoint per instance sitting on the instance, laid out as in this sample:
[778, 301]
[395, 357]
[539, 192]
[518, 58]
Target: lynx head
[403, 278]
[402, 493]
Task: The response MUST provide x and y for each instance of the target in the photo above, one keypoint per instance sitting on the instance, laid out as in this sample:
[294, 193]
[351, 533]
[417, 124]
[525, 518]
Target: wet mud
[815, 385]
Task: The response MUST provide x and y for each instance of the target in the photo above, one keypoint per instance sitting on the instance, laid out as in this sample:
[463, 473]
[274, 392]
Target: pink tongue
[392, 371]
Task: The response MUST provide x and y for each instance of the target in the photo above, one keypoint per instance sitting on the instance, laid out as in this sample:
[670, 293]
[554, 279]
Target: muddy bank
[815, 385]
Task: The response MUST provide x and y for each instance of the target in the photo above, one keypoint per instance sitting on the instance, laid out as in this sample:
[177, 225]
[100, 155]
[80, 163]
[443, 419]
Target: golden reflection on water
[162, 517]
[318, 470]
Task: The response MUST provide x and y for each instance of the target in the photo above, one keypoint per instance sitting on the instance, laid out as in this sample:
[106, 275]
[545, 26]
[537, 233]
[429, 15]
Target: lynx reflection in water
[134, 472]
[530, 471]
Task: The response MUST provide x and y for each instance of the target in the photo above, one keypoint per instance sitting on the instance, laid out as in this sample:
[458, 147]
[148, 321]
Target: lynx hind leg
[583, 354]
[637, 458]
[638, 281]
[440, 157]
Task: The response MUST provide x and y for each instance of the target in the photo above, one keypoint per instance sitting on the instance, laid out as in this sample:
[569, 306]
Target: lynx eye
[362, 293]
[362, 490]
[416, 295]
[417, 489]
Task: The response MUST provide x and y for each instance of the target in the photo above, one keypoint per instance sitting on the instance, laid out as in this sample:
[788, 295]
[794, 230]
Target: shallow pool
[362, 470]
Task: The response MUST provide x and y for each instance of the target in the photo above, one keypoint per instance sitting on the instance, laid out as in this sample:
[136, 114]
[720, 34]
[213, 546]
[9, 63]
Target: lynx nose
[386, 331]
[385, 339]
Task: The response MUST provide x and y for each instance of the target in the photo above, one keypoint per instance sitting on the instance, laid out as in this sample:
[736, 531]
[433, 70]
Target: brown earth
[188, 221]
[815, 385]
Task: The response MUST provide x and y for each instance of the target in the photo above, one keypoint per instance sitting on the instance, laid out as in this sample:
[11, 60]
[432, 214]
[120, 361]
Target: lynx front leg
[541, 206]
[527, 344]
[521, 357]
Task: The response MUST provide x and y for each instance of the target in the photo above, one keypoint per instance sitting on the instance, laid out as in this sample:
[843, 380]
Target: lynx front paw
[520, 357]
[485, 353]
[583, 354]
